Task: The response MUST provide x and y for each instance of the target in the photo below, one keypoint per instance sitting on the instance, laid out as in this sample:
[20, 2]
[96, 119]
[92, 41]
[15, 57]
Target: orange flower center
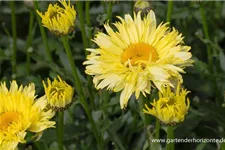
[139, 52]
[7, 118]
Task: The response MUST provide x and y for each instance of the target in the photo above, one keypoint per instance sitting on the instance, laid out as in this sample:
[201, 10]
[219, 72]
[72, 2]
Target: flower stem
[82, 25]
[88, 20]
[169, 11]
[43, 34]
[109, 12]
[81, 92]
[104, 6]
[29, 41]
[170, 136]
[157, 128]
[141, 106]
[86, 44]
[131, 7]
[60, 130]
[206, 33]
[13, 20]
[209, 52]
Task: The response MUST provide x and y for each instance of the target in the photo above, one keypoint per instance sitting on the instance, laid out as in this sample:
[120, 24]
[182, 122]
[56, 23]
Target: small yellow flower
[21, 112]
[137, 56]
[59, 20]
[59, 94]
[171, 107]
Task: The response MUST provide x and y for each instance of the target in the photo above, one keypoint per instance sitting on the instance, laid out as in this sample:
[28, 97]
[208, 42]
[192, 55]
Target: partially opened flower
[171, 107]
[59, 94]
[137, 56]
[59, 20]
[21, 112]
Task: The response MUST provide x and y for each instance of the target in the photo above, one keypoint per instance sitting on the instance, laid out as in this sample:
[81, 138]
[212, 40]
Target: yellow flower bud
[171, 107]
[59, 20]
[59, 94]
[142, 5]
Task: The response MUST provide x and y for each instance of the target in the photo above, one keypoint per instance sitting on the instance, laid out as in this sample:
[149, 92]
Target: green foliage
[123, 129]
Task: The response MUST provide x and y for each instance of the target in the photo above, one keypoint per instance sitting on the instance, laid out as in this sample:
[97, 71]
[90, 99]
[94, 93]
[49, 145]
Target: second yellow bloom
[59, 20]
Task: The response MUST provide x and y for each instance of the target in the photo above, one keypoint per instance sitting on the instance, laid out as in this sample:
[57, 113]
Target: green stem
[29, 41]
[132, 7]
[87, 8]
[13, 20]
[170, 136]
[43, 34]
[157, 128]
[104, 6]
[169, 11]
[206, 33]
[105, 100]
[81, 92]
[144, 119]
[60, 130]
[209, 52]
[109, 12]
[82, 25]
[88, 20]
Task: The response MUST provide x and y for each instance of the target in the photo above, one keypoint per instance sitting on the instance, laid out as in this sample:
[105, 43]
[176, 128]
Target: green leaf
[201, 146]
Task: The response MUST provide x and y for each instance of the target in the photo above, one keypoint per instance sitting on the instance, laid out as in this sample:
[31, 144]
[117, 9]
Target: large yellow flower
[20, 112]
[137, 56]
[59, 20]
[59, 94]
[171, 107]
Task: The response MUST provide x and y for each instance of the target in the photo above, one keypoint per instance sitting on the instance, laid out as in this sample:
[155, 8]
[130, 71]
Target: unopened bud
[142, 5]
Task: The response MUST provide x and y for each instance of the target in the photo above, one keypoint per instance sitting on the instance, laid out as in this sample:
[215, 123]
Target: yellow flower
[171, 107]
[137, 56]
[20, 112]
[59, 20]
[59, 94]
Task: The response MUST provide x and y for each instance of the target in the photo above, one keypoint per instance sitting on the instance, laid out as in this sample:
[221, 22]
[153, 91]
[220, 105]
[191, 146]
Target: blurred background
[201, 23]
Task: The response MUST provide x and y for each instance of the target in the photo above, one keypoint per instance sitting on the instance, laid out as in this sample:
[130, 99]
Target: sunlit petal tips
[137, 56]
[21, 112]
[171, 107]
[60, 20]
[59, 94]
